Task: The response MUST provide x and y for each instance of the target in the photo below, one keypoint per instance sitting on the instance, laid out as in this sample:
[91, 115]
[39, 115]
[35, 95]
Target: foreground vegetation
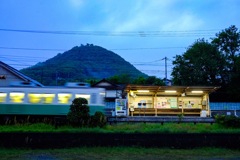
[125, 128]
[115, 153]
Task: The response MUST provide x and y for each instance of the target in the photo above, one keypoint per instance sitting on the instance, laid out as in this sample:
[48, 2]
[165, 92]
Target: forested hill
[79, 64]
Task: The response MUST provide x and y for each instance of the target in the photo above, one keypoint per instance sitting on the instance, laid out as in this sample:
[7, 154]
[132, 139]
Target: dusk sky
[142, 32]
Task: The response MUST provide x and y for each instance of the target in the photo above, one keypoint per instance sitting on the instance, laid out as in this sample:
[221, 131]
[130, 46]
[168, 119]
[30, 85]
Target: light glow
[48, 98]
[64, 98]
[17, 97]
[170, 91]
[34, 98]
[143, 91]
[86, 96]
[3, 97]
[197, 91]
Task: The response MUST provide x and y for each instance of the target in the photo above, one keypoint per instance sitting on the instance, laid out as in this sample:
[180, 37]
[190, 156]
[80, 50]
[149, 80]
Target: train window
[3, 97]
[64, 98]
[86, 96]
[34, 97]
[16, 97]
[48, 98]
[94, 98]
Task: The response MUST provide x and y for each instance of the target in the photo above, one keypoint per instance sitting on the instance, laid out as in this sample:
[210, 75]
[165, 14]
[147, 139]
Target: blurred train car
[47, 101]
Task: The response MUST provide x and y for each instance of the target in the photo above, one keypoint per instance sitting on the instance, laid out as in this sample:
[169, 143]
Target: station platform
[161, 119]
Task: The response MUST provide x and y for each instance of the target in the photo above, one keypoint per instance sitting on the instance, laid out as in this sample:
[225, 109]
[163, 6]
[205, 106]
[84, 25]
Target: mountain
[81, 63]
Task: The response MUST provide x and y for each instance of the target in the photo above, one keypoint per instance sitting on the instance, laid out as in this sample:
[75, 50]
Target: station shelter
[168, 100]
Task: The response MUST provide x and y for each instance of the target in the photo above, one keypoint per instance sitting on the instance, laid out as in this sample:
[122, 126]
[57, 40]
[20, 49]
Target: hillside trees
[147, 80]
[151, 80]
[120, 79]
[82, 63]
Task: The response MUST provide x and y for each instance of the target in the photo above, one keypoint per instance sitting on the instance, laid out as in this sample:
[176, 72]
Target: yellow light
[3, 97]
[64, 98]
[82, 96]
[3, 94]
[17, 97]
[170, 91]
[197, 91]
[143, 91]
[86, 96]
[48, 98]
[34, 98]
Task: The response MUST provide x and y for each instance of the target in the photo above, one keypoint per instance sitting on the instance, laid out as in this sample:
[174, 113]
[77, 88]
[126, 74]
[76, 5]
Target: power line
[149, 48]
[31, 49]
[38, 59]
[183, 33]
[49, 49]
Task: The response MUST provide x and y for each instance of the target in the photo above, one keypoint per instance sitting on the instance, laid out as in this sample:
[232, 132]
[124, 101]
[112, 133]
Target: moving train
[47, 101]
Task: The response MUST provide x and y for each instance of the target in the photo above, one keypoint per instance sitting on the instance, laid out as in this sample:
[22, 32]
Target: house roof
[20, 75]
[107, 85]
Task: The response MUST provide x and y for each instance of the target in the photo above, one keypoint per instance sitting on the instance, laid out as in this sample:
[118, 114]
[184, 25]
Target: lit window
[3, 97]
[34, 98]
[86, 96]
[64, 98]
[48, 98]
[17, 97]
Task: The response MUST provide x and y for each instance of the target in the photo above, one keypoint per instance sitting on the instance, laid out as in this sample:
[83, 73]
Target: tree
[98, 120]
[120, 79]
[233, 89]
[139, 81]
[228, 42]
[151, 80]
[201, 64]
[79, 112]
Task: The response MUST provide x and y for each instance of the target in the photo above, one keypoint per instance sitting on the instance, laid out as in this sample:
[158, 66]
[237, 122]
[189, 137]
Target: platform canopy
[170, 90]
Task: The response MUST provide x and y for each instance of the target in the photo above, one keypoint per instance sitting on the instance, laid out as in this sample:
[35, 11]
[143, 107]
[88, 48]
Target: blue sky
[142, 32]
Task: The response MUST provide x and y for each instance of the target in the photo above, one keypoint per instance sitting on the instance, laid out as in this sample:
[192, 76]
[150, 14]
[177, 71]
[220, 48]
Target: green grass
[120, 153]
[125, 128]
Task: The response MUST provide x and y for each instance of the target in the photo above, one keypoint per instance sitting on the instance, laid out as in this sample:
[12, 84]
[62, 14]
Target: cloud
[186, 21]
[149, 16]
[76, 3]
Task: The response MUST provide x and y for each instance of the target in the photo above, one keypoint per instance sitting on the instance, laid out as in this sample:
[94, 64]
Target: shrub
[79, 113]
[220, 119]
[98, 120]
[228, 121]
[232, 121]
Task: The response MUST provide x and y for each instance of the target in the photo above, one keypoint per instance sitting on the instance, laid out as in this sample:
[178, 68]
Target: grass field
[125, 128]
[120, 153]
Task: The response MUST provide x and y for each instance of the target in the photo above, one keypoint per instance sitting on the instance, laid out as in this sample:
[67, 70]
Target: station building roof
[171, 90]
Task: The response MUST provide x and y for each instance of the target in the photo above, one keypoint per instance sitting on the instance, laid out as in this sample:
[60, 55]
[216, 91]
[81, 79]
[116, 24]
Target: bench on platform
[166, 111]
[192, 111]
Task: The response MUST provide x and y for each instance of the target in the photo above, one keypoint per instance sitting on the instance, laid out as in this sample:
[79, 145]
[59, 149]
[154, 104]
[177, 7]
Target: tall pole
[165, 71]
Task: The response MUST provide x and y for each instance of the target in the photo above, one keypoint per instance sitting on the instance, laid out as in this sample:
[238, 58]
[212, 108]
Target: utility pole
[165, 58]
[165, 71]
